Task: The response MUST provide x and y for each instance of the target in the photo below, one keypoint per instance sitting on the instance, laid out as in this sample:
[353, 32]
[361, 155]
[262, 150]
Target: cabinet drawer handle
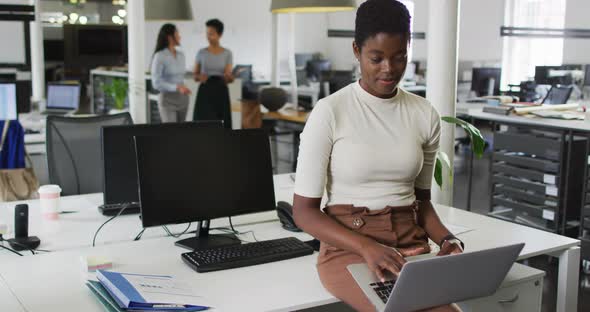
[509, 300]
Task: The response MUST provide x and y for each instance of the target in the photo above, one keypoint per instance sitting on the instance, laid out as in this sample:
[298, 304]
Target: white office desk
[75, 230]
[313, 91]
[573, 125]
[463, 108]
[30, 277]
[34, 142]
[280, 286]
[8, 301]
[54, 282]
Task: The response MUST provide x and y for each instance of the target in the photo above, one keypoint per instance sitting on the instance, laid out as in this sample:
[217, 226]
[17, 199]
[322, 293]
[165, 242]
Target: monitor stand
[204, 240]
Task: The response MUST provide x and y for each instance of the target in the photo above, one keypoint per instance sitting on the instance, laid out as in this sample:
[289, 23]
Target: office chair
[74, 151]
[272, 98]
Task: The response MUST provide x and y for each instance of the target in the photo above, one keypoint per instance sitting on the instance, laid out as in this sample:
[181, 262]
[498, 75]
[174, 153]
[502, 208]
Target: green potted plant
[477, 146]
[117, 89]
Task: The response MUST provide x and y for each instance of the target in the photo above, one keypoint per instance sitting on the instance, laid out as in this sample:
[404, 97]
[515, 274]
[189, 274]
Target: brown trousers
[392, 226]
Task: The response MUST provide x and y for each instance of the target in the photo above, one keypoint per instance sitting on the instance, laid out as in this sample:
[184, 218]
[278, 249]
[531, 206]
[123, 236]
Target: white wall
[479, 29]
[420, 24]
[247, 32]
[340, 49]
[479, 32]
[577, 15]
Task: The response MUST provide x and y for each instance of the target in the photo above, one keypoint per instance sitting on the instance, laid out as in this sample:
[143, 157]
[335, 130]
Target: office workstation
[215, 153]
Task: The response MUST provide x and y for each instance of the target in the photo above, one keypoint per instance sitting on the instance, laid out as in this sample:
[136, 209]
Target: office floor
[479, 204]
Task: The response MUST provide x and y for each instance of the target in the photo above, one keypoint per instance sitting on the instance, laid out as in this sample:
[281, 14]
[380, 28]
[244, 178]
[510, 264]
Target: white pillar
[135, 33]
[274, 67]
[292, 69]
[37, 55]
[441, 80]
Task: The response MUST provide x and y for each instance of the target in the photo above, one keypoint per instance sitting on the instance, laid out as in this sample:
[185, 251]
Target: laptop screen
[63, 96]
[558, 95]
[8, 101]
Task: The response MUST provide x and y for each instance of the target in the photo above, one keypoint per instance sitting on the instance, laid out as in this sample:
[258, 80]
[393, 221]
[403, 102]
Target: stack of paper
[135, 292]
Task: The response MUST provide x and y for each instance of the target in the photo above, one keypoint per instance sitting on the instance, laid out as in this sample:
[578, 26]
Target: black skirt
[212, 101]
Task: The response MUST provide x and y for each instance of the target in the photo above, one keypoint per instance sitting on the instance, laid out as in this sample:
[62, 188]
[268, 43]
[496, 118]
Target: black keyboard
[383, 290]
[236, 256]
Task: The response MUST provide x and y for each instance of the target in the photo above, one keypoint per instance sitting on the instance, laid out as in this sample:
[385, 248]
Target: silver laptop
[429, 281]
[62, 98]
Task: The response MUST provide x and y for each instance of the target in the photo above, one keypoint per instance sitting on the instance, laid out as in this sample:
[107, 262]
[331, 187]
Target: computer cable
[232, 230]
[179, 234]
[138, 237]
[240, 233]
[25, 247]
[123, 207]
[7, 248]
[229, 231]
[11, 250]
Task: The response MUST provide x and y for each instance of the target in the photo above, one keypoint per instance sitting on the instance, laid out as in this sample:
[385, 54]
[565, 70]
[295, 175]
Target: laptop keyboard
[383, 290]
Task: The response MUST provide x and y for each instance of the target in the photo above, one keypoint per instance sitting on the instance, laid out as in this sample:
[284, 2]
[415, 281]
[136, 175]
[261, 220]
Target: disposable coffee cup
[49, 196]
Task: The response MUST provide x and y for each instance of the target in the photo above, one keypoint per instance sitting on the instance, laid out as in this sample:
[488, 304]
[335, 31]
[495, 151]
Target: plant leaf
[438, 172]
[475, 136]
[447, 163]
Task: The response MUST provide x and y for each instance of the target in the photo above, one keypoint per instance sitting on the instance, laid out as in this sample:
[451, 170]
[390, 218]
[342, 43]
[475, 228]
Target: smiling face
[212, 35]
[383, 59]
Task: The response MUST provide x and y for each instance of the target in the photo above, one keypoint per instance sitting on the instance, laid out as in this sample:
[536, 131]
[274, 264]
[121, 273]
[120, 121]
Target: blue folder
[127, 297]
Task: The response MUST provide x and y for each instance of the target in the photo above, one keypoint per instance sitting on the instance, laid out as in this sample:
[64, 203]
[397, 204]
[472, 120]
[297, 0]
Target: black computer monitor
[8, 108]
[587, 76]
[301, 59]
[315, 68]
[119, 162]
[340, 79]
[203, 176]
[481, 80]
[544, 75]
[558, 95]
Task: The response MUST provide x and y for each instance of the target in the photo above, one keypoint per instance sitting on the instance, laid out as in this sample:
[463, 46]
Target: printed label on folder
[549, 179]
[551, 190]
[548, 215]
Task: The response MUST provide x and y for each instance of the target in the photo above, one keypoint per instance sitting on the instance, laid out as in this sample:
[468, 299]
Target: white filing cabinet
[521, 291]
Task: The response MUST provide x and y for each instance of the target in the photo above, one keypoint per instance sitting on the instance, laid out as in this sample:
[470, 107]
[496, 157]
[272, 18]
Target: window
[410, 6]
[521, 54]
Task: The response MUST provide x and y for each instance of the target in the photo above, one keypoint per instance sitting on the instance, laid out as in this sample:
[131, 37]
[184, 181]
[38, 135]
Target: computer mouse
[285, 214]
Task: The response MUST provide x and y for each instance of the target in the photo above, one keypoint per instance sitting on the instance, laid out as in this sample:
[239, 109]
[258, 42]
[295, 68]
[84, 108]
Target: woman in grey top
[168, 68]
[213, 70]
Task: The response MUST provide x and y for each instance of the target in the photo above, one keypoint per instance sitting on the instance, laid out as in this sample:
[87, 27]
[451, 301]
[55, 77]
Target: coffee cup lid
[49, 189]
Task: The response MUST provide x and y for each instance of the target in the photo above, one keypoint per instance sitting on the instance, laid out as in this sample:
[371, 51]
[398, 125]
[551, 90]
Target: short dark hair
[216, 24]
[377, 16]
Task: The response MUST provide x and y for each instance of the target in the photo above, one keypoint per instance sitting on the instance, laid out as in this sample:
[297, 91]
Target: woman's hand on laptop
[381, 258]
[450, 247]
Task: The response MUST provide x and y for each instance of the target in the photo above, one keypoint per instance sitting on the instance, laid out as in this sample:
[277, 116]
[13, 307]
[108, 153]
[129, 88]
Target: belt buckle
[357, 222]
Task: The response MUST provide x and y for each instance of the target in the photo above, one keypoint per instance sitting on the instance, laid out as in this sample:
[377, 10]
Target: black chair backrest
[74, 156]
[272, 98]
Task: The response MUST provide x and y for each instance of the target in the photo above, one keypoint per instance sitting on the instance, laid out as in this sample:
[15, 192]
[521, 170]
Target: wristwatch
[453, 240]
